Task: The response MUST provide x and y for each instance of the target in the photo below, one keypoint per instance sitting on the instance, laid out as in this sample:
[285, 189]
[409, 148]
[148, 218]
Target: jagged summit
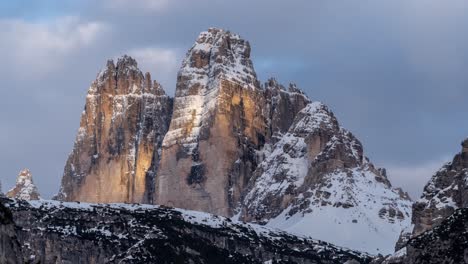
[443, 194]
[125, 78]
[230, 146]
[24, 188]
[217, 57]
[465, 145]
[316, 175]
[115, 154]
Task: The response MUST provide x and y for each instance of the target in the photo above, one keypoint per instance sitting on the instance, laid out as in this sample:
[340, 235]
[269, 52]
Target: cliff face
[55, 232]
[24, 188]
[217, 125]
[115, 155]
[232, 147]
[316, 175]
[10, 249]
[447, 242]
[443, 194]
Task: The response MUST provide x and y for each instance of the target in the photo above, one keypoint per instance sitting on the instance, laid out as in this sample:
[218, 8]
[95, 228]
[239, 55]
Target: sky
[393, 72]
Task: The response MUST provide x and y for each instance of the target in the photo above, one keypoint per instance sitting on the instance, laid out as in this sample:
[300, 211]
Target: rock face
[116, 152]
[122, 233]
[445, 243]
[24, 188]
[316, 175]
[10, 249]
[443, 194]
[218, 123]
[232, 147]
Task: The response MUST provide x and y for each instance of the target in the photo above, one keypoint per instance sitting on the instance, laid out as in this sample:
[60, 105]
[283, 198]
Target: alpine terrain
[230, 145]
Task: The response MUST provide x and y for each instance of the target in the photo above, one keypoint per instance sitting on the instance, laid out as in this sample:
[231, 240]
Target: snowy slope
[317, 181]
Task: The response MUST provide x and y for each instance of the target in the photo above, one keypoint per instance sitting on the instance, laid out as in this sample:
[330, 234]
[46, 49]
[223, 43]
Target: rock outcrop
[116, 152]
[316, 175]
[56, 232]
[218, 124]
[443, 194]
[232, 147]
[446, 242]
[24, 188]
[10, 249]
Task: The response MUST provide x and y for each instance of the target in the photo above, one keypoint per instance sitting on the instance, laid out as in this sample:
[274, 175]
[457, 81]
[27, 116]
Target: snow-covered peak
[444, 193]
[219, 54]
[218, 57]
[24, 177]
[24, 188]
[124, 78]
[316, 175]
[313, 117]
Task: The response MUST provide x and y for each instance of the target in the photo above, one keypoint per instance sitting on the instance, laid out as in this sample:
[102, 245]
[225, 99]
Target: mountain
[116, 151]
[438, 211]
[316, 176]
[24, 188]
[229, 145]
[61, 232]
[222, 119]
[446, 242]
[443, 194]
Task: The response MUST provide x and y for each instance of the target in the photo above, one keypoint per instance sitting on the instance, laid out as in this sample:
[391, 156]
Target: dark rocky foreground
[55, 232]
[445, 243]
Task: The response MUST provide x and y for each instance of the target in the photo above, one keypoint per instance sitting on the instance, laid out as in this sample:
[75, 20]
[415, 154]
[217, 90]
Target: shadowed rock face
[24, 188]
[447, 242]
[115, 155]
[54, 232]
[10, 249]
[443, 194]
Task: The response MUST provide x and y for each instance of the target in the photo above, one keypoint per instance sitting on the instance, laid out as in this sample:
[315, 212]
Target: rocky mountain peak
[316, 174]
[220, 54]
[116, 150]
[24, 188]
[465, 146]
[443, 194]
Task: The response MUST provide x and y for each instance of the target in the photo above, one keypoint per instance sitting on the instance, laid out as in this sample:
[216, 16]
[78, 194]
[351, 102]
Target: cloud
[413, 178]
[144, 5]
[162, 63]
[41, 47]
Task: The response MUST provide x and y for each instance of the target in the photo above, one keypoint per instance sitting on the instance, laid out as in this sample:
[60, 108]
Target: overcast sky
[394, 72]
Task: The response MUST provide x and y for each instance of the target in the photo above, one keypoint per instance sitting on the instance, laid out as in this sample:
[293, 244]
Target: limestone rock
[217, 126]
[10, 249]
[443, 194]
[116, 152]
[316, 175]
[446, 242]
[24, 188]
[61, 232]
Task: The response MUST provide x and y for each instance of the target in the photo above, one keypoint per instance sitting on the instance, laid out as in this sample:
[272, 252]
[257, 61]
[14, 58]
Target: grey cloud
[393, 72]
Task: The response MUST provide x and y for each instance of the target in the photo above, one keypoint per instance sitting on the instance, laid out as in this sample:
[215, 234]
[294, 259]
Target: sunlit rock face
[115, 155]
[217, 126]
[24, 188]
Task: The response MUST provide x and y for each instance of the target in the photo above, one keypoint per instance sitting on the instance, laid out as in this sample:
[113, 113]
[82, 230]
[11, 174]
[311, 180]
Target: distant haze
[394, 72]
